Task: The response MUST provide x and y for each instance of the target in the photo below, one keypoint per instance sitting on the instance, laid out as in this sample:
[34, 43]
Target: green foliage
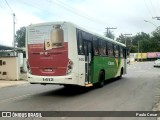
[139, 37]
[133, 49]
[20, 37]
[147, 43]
[121, 38]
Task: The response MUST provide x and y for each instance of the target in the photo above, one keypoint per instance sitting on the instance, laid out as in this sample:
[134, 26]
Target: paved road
[138, 90]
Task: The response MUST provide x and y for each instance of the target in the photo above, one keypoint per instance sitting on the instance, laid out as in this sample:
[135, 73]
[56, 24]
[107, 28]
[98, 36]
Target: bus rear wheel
[101, 79]
[121, 73]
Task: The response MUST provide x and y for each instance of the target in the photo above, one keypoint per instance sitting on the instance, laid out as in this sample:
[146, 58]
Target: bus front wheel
[101, 79]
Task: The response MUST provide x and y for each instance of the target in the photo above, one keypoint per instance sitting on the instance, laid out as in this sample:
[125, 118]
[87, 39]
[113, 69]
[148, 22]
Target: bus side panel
[73, 55]
[110, 65]
[120, 66]
[81, 68]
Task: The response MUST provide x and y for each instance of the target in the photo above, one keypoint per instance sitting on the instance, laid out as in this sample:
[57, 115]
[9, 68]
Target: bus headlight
[69, 67]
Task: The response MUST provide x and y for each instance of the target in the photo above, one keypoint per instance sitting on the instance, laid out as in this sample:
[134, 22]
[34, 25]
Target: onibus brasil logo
[21, 114]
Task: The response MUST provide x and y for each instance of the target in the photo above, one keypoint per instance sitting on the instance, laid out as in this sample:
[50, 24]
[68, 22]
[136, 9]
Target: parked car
[157, 63]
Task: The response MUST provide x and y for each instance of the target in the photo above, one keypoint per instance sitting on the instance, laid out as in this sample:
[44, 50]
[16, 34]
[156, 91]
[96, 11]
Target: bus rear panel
[62, 53]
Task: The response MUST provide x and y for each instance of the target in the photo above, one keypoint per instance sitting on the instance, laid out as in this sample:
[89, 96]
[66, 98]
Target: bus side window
[121, 52]
[110, 49]
[100, 46]
[103, 48]
[106, 48]
[116, 51]
[80, 43]
[95, 46]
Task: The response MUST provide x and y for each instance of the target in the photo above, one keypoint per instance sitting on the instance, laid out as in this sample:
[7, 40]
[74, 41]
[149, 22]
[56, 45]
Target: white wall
[9, 68]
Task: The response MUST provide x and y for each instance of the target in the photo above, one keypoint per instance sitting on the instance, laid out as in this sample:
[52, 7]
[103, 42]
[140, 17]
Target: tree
[156, 39]
[147, 43]
[20, 37]
[139, 37]
[156, 33]
[144, 42]
[121, 38]
[133, 49]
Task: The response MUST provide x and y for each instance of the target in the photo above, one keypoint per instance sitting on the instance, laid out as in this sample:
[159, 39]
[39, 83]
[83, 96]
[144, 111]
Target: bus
[65, 54]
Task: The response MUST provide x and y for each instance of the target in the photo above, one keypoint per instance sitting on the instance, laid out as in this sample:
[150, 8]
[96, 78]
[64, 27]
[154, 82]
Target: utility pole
[158, 18]
[14, 45]
[125, 38]
[13, 23]
[150, 23]
[108, 30]
[138, 52]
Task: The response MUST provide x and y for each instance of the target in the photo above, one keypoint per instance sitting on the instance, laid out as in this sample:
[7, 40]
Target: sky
[94, 15]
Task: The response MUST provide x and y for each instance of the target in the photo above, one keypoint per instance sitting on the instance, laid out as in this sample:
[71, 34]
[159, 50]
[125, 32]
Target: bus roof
[81, 28]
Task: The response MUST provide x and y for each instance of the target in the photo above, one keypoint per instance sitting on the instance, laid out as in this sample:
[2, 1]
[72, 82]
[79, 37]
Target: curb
[11, 85]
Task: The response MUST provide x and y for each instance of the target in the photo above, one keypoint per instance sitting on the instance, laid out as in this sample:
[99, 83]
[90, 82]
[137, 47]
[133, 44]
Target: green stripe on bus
[110, 65]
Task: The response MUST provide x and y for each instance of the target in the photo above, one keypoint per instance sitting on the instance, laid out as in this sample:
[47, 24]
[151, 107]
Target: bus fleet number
[47, 79]
[81, 59]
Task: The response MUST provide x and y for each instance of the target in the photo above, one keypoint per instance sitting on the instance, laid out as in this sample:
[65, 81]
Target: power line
[68, 8]
[75, 11]
[3, 6]
[148, 8]
[62, 6]
[153, 7]
[40, 8]
[158, 4]
[9, 6]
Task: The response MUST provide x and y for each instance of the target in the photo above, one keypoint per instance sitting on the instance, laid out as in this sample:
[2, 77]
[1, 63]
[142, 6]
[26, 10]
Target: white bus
[65, 54]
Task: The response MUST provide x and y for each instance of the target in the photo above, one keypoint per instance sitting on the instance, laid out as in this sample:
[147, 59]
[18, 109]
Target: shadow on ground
[68, 91]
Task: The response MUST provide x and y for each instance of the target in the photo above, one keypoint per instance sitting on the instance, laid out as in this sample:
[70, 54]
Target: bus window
[100, 46]
[106, 48]
[95, 46]
[110, 50]
[116, 51]
[121, 52]
[86, 36]
[103, 47]
[80, 43]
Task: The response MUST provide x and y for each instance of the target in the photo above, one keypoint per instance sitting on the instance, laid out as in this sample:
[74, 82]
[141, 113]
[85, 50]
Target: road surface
[138, 90]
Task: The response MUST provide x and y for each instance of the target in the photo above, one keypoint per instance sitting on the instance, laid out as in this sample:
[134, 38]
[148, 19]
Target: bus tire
[121, 73]
[101, 79]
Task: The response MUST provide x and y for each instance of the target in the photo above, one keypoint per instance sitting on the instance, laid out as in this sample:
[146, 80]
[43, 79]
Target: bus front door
[88, 61]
